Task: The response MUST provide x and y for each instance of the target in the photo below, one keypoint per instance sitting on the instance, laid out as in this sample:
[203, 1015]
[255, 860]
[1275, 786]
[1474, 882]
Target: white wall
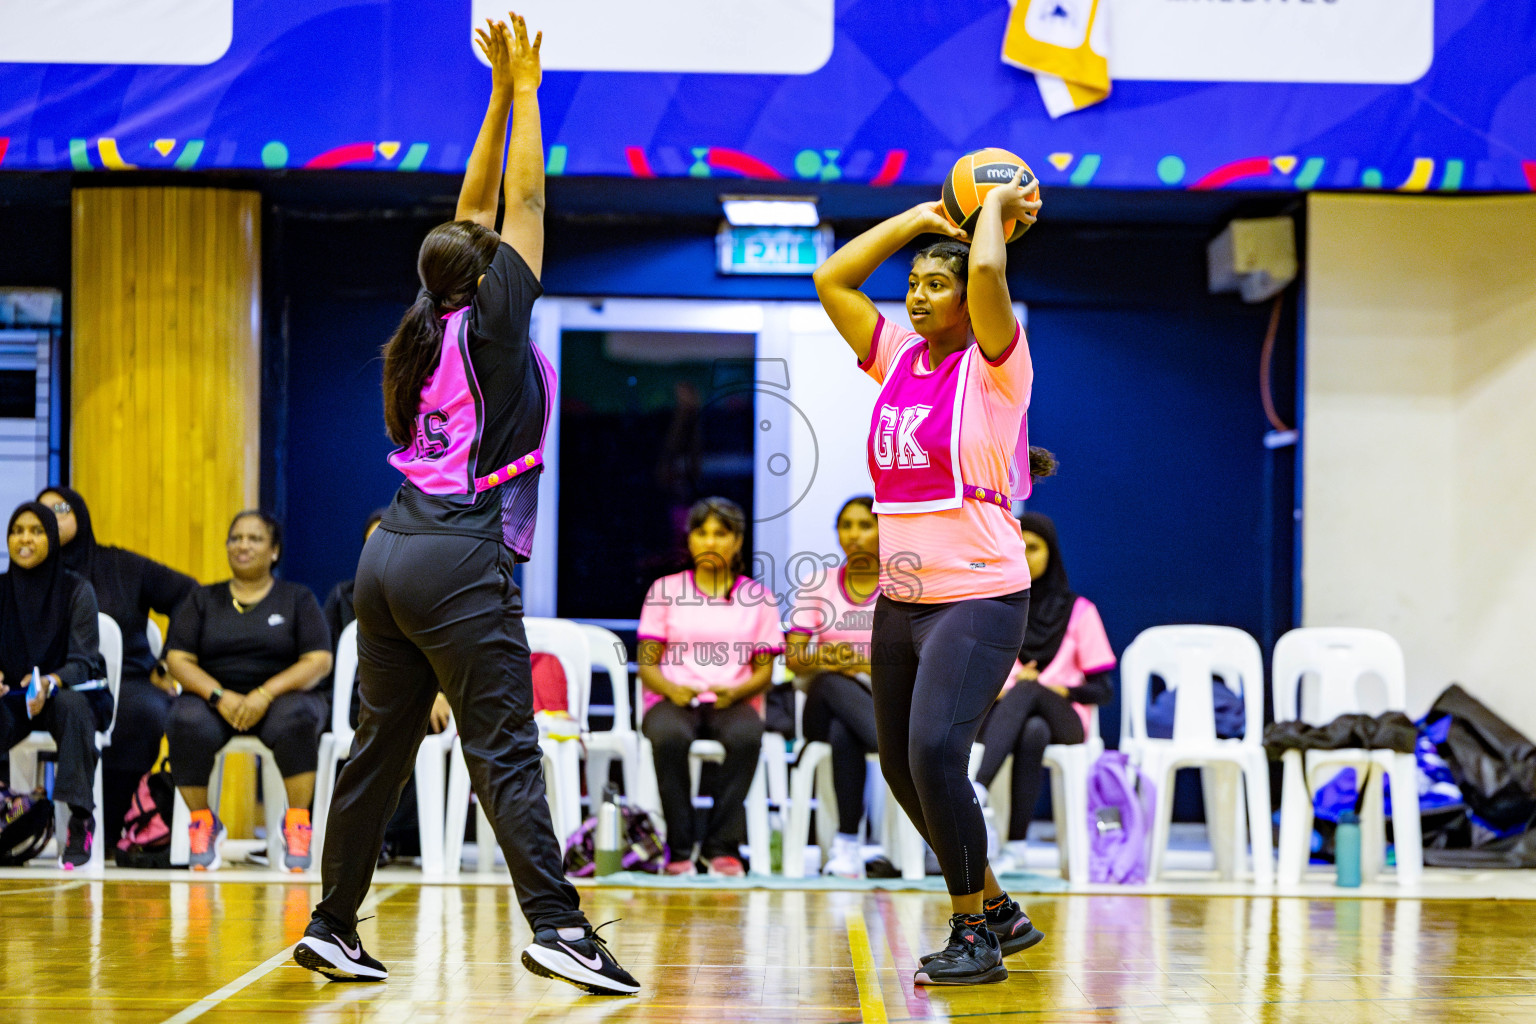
[1420, 443]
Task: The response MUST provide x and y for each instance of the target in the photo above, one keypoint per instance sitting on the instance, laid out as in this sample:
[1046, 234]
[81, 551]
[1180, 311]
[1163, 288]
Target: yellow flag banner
[1066, 44]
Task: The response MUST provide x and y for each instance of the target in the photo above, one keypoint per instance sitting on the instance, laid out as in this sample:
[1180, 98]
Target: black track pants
[442, 611]
[936, 670]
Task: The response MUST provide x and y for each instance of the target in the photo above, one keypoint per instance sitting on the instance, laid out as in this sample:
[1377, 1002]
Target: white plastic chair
[1187, 657]
[336, 746]
[153, 635]
[25, 773]
[605, 651]
[562, 753]
[759, 836]
[1068, 764]
[811, 780]
[1339, 660]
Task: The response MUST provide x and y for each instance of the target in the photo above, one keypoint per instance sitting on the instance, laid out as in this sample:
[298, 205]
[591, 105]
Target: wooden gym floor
[154, 951]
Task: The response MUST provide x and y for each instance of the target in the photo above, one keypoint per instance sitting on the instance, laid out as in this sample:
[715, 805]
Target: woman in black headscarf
[128, 587]
[1063, 668]
[48, 631]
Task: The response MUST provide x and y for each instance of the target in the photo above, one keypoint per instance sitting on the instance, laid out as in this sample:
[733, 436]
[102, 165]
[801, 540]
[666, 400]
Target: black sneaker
[77, 844]
[584, 962]
[339, 958]
[1011, 926]
[973, 957]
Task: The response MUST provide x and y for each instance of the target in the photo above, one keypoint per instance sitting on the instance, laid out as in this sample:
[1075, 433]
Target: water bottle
[609, 840]
[1346, 850]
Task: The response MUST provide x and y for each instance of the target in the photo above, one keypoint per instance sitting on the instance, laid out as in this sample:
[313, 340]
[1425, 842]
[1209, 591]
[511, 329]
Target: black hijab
[35, 606]
[1050, 598]
[80, 553]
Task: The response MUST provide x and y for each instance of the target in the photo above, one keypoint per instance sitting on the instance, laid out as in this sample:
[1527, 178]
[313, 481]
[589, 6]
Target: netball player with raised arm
[468, 399]
[942, 448]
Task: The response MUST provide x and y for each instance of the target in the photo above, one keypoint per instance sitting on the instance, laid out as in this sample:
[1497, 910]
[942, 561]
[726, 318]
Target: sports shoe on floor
[1015, 933]
[847, 860]
[1010, 859]
[726, 867]
[340, 958]
[682, 867]
[972, 957]
[206, 836]
[1007, 920]
[78, 842]
[296, 833]
[580, 957]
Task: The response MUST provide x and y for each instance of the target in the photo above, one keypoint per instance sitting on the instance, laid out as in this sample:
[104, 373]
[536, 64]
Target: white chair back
[565, 640]
[110, 642]
[1187, 657]
[606, 651]
[1340, 661]
[155, 637]
[345, 679]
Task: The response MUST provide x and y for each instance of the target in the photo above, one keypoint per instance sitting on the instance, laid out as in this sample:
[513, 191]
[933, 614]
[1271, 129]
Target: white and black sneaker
[580, 957]
[340, 958]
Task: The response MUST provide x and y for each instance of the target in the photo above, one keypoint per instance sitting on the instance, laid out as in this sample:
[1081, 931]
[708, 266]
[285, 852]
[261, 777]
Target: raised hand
[527, 72]
[929, 219]
[495, 42]
[1016, 202]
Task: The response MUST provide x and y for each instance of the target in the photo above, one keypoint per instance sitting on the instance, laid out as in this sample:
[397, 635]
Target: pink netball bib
[914, 433]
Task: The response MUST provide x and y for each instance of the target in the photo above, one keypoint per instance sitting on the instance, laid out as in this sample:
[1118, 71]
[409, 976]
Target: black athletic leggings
[1024, 723]
[440, 611]
[840, 712]
[937, 669]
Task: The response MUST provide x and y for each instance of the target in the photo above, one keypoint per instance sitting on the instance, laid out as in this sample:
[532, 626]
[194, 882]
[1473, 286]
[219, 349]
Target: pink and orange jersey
[829, 614]
[946, 531]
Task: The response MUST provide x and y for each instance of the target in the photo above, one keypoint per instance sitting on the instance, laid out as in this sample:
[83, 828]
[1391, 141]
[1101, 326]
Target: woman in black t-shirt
[128, 587]
[248, 652]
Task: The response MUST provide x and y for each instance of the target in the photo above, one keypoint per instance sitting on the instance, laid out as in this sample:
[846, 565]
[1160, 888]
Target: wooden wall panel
[165, 386]
[165, 393]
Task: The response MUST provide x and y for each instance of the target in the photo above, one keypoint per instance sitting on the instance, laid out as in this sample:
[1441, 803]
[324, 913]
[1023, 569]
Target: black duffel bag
[1492, 762]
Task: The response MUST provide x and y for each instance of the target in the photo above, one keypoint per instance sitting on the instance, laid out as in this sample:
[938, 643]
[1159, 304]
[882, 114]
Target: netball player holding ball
[947, 449]
[468, 399]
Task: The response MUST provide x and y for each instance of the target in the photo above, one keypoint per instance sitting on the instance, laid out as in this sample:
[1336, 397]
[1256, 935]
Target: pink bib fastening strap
[514, 468]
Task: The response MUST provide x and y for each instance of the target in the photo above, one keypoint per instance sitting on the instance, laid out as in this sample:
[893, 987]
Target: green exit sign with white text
[761, 250]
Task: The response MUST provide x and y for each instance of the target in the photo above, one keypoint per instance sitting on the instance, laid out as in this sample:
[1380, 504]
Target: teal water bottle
[1346, 850]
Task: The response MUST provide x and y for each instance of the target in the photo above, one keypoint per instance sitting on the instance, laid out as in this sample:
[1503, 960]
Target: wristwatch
[214, 698]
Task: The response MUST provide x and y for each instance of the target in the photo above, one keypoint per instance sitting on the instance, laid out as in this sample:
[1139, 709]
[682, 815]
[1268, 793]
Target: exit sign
[757, 250]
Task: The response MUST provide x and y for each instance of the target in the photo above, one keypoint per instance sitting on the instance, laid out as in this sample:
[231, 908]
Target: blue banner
[1398, 94]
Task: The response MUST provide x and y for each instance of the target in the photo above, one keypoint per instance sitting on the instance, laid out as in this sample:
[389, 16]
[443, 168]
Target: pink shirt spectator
[976, 550]
[1084, 651]
[828, 614]
[710, 641]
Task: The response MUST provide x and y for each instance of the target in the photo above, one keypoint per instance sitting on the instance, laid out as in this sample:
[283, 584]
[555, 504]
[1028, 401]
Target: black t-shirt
[242, 650]
[510, 407]
[129, 587]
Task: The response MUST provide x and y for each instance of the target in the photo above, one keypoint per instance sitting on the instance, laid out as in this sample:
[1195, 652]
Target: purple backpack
[1121, 802]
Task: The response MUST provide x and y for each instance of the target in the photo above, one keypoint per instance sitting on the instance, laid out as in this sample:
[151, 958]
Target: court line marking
[871, 1003]
[62, 886]
[253, 975]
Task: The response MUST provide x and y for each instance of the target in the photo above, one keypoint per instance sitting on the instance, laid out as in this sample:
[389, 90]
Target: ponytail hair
[451, 260]
[1042, 463]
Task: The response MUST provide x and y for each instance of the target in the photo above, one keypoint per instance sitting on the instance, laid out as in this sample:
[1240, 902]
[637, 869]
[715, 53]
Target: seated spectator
[48, 628]
[1063, 668]
[829, 638]
[708, 638]
[128, 587]
[401, 835]
[248, 652]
